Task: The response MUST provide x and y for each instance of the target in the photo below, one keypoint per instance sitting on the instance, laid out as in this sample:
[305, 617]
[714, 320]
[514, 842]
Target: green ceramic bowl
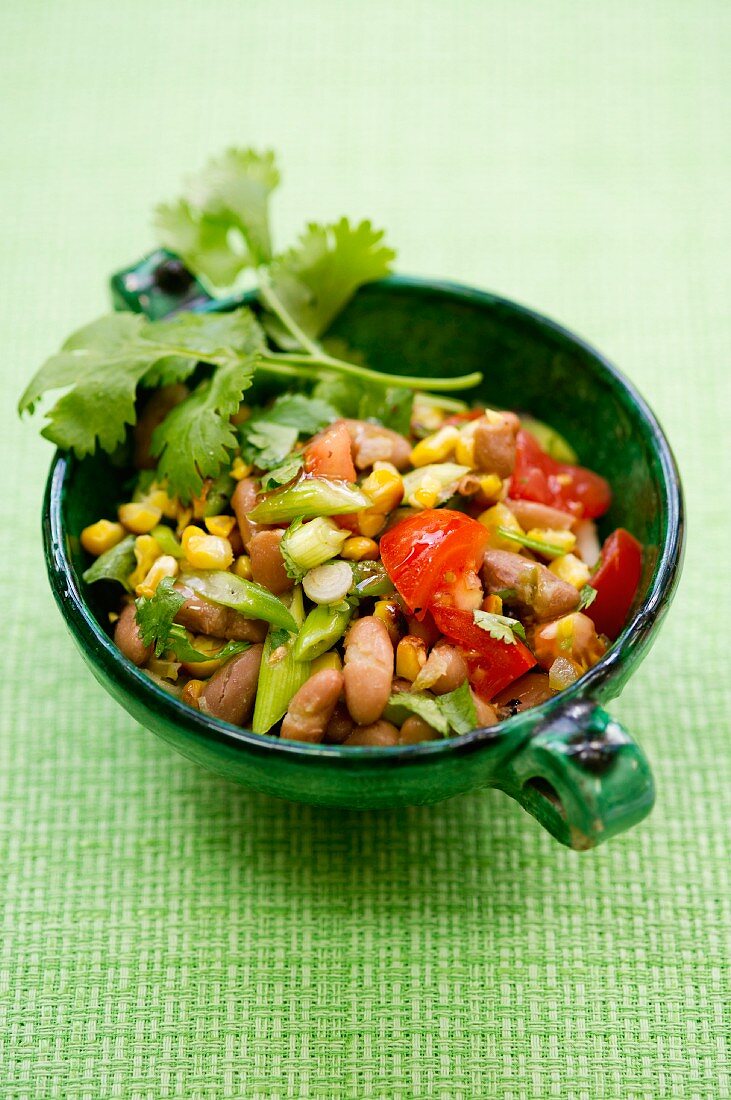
[567, 762]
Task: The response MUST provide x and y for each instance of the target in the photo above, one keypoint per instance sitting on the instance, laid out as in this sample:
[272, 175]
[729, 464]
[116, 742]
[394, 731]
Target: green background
[165, 934]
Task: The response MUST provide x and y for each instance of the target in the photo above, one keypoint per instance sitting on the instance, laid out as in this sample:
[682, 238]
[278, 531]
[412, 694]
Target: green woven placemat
[164, 934]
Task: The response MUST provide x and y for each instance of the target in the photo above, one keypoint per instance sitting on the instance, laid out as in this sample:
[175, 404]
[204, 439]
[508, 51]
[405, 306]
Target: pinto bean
[127, 637]
[368, 669]
[577, 640]
[415, 729]
[340, 726]
[242, 501]
[376, 734]
[230, 692]
[529, 513]
[203, 617]
[311, 708]
[267, 563]
[494, 443]
[528, 691]
[451, 665]
[152, 415]
[372, 443]
[538, 591]
[486, 713]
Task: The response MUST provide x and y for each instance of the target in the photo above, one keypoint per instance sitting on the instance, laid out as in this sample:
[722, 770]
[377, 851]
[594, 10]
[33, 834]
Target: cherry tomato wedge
[616, 581]
[493, 664]
[329, 454]
[539, 477]
[419, 551]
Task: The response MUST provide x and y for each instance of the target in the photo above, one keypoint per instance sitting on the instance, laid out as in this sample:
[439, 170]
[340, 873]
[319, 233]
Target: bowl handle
[581, 775]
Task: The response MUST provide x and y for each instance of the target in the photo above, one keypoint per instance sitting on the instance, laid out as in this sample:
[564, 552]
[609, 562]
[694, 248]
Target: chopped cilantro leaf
[454, 711]
[587, 595]
[114, 565]
[156, 619]
[500, 627]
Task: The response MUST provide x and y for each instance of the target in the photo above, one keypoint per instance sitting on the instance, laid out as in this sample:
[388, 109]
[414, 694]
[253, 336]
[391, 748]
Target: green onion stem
[280, 675]
[308, 498]
[547, 548]
[323, 627]
[247, 597]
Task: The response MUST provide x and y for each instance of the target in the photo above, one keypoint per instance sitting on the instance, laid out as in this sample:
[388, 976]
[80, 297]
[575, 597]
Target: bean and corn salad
[340, 556]
[371, 586]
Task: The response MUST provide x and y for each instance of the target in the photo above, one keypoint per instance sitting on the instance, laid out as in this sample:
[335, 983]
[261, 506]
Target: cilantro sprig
[220, 228]
[155, 617]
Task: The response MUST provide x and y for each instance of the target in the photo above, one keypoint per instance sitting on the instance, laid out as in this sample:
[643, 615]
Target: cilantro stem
[314, 356]
[397, 381]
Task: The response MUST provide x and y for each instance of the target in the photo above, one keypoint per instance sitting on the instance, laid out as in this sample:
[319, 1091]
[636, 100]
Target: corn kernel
[164, 566]
[208, 552]
[500, 516]
[410, 657]
[139, 518]
[571, 569]
[101, 536]
[242, 567]
[381, 465]
[240, 469]
[435, 448]
[359, 549]
[220, 525]
[147, 551]
[491, 486]
[389, 612]
[330, 661]
[204, 644]
[370, 524]
[190, 532]
[427, 495]
[158, 498]
[565, 634]
[464, 451]
[493, 605]
[564, 540]
[192, 692]
[384, 489]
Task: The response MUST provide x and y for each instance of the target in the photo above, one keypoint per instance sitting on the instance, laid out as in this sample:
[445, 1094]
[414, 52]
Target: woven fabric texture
[166, 934]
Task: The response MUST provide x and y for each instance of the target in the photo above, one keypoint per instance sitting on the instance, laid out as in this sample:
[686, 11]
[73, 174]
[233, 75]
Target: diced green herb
[156, 619]
[268, 436]
[454, 711]
[282, 473]
[587, 595]
[500, 627]
[114, 565]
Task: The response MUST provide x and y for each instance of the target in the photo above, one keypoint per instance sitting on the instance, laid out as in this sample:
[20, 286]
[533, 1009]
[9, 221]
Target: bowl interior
[529, 364]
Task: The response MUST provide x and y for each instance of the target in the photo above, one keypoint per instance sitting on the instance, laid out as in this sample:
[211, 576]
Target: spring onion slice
[280, 674]
[323, 627]
[247, 597]
[308, 498]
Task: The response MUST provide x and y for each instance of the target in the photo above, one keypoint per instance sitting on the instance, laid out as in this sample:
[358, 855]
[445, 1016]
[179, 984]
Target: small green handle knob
[582, 776]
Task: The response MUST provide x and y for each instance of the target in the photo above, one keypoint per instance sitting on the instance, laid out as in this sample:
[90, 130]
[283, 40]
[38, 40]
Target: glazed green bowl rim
[129, 679]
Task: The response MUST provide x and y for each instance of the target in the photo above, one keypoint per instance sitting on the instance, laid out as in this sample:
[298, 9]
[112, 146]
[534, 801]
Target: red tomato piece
[573, 489]
[493, 664]
[616, 582]
[420, 550]
[329, 453]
